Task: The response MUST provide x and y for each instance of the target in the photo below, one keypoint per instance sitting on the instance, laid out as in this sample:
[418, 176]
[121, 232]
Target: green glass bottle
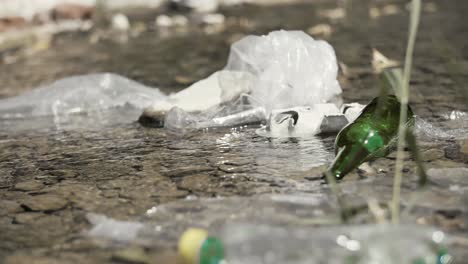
[370, 136]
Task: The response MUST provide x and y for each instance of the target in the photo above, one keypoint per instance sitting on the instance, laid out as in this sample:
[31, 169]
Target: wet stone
[28, 186]
[449, 176]
[443, 163]
[9, 207]
[464, 150]
[393, 155]
[45, 202]
[181, 172]
[432, 154]
[233, 169]
[198, 183]
[63, 174]
[315, 173]
[26, 218]
[452, 151]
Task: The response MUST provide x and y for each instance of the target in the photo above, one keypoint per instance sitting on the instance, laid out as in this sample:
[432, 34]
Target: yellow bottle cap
[190, 243]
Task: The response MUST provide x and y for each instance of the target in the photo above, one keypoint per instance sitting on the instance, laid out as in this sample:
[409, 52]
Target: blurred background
[170, 44]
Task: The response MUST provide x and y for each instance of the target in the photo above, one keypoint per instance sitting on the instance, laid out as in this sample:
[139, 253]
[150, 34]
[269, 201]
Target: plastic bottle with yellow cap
[197, 247]
[266, 244]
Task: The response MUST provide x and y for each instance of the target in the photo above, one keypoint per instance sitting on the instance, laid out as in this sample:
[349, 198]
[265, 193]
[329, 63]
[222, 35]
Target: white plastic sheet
[285, 69]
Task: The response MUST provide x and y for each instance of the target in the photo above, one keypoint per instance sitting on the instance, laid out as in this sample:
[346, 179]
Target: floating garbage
[456, 127]
[80, 100]
[287, 69]
[121, 231]
[370, 136]
[178, 120]
[272, 228]
[240, 243]
[264, 77]
[78, 95]
[282, 70]
[166, 222]
[309, 121]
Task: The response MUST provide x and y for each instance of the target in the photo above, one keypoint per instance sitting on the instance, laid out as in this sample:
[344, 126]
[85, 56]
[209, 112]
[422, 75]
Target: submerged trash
[287, 69]
[240, 243]
[456, 127]
[309, 121]
[104, 227]
[168, 221]
[79, 95]
[120, 22]
[178, 120]
[283, 69]
[81, 98]
[370, 136]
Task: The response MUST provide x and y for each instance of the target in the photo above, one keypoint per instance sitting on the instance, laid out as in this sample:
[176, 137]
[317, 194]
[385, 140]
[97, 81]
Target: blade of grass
[336, 192]
[392, 79]
[414, 23]
[413, 146]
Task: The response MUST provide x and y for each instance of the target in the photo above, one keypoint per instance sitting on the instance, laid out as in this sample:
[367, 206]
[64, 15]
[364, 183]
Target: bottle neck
[348, 158]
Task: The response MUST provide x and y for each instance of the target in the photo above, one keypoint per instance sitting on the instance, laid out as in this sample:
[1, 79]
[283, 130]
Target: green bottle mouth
[348, 159]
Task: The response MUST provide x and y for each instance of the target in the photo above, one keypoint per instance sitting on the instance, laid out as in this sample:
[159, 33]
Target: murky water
[50, 179]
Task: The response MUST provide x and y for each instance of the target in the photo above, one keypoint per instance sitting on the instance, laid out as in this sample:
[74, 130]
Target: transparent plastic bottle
[262, 244]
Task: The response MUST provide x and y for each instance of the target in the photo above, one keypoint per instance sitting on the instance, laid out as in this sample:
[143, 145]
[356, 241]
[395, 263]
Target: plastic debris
[168, 221]
[200, 96]
[171, 21]
[178, 120]
[287, 68]
[457, 115]
[382, 244]
[302, 121]
[309, 121]
[120, 231]
[281, 70]
[79, 101]
[213, 19]
[80, 95]
[455, 179]
[455, 128]
[120, 22]
[285, 238]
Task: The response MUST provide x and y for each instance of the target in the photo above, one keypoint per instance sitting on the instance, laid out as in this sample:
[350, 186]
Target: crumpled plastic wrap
[309, 120]
[285, 69]
[108, 228]
[78, 95]
[84, 101]
[455, 127]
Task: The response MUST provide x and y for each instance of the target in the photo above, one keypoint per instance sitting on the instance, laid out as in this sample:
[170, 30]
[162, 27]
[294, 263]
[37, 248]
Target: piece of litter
[108, 228]
[286, 69]
[120, 22]
[80, 94]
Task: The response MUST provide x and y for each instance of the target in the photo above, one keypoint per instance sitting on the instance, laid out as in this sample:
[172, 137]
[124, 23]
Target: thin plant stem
[414, 22]
[336, 192]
